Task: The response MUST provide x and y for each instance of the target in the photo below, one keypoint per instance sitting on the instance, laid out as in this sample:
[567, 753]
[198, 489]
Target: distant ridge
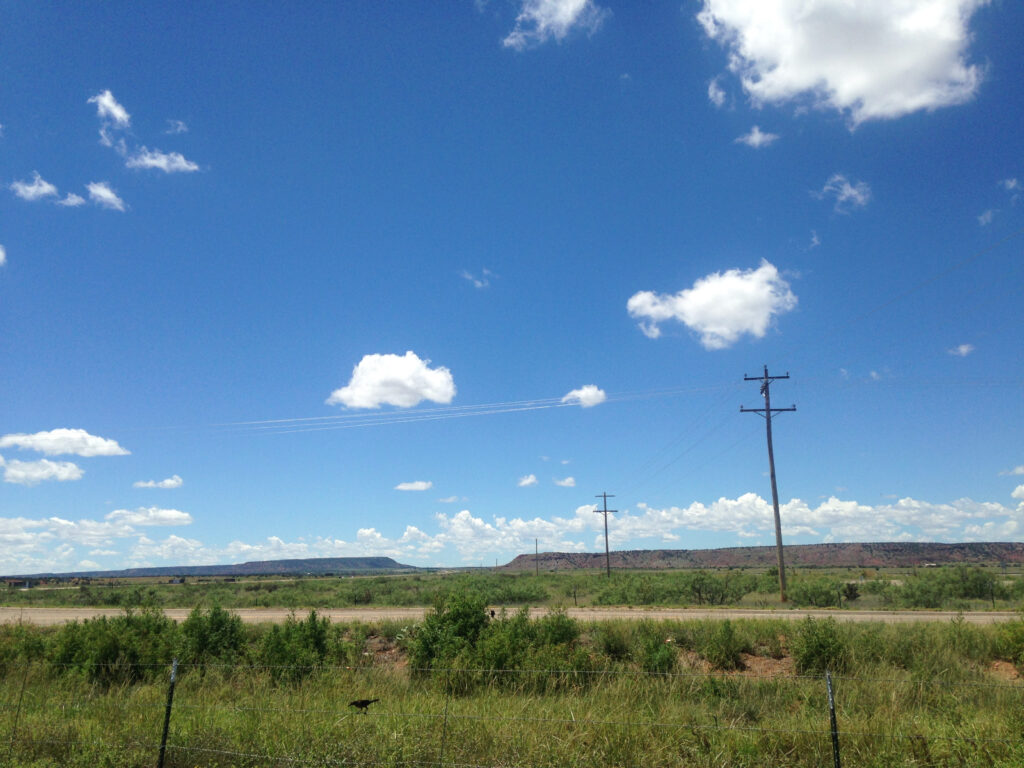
[875, 555]
[317, 565]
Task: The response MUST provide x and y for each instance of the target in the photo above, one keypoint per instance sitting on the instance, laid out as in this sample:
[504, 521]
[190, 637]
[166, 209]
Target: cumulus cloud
[35, 472]
[399, 380]
[71, 200]
[527, 480]
[757, 138]
[541, 20]
[109, 110]
[720, 307]
[150, 516]
[49, 544]
[168, 162]
[105, 197]
[1018, 470]
[63, 441]
[415, 485]
[586, 396]
[174, 481]
[3, 255]
[176, 126]
[568, 482]
[868, 60]
[847, 194]
[37, 189]
[963, 350]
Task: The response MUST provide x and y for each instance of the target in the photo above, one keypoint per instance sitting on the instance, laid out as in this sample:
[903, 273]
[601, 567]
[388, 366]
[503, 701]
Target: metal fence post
[832, 719]
[167, 713]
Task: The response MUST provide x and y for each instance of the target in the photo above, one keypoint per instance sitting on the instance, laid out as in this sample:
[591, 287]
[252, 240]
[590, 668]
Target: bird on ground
[362, 704]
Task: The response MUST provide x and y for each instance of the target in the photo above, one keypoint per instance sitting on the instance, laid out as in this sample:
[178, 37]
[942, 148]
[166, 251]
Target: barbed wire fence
[441, 713]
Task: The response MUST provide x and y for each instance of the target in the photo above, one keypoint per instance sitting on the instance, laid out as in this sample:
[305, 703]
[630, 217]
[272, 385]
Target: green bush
[819, 592]
[721, 647]
[817, 646]
[112, 651]
[454, 624]
[214, 635]
[293, 650]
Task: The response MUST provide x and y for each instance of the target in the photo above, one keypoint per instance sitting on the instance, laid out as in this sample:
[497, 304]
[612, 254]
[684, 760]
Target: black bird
[362, 704]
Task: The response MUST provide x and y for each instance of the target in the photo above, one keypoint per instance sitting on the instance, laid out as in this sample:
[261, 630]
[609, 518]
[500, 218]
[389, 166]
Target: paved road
[52, 616]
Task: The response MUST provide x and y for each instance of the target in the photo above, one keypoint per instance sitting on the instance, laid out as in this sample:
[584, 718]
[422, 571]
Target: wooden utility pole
[605, 511]
[766, 412]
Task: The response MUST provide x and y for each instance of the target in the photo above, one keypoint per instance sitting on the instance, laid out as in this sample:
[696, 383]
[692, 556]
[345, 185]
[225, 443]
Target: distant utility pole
[605, 511]
[766, 412]
[536, 558]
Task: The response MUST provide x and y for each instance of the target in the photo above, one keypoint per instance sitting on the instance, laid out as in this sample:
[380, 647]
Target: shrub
[292, 650]
[721, 647]
[817, 646]
[455, 623]
[215, 635]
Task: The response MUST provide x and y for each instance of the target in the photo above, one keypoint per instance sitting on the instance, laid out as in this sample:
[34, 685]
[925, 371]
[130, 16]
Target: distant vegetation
[950, 587]
[510, 690]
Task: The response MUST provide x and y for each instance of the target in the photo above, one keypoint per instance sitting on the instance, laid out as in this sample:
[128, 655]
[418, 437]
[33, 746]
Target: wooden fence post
[832, 719]
[167, 713]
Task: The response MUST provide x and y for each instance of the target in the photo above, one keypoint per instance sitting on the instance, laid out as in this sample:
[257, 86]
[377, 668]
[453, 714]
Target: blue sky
[421, 279]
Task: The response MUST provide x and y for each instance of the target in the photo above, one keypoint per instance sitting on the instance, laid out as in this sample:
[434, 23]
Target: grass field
[462, 689]
[951, 588]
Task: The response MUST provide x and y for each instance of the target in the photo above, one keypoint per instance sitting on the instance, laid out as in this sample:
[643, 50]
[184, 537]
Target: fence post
[167, 713]
[444, 728]
[832, 719]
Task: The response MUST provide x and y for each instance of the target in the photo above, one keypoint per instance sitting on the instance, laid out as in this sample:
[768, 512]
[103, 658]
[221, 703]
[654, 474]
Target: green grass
[951, 588]
[567, 693]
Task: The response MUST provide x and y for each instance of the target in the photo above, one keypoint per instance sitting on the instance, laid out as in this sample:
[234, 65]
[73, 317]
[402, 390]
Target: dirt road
[52, 616]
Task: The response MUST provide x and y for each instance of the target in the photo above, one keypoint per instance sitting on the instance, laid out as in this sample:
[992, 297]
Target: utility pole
[536, 558]
[766, 412]
[605, 511]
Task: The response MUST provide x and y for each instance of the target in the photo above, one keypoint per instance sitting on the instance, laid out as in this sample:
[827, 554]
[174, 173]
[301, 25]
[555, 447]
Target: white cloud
[963, 350]
[875, 375]
[541, 20]
[101, 194]
[108, 109]
[586, 396]
[815, 241]
[71, 200]
[1018, 470]
[402, 381]
[1018, 492]
[168, 162]
[449, 499]
[869, 60]
[1010, 185]
[721, 306]
[415, 485]
[568, 482]
[985, 217]
[478, 282]
[757, 138]
[35, 472]
[174, 481]
[61, 441]
[3, 255]
[715, 93]
[150, 516]
[176, 126]
[847, 194]
[527, 480]
[37, 189]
